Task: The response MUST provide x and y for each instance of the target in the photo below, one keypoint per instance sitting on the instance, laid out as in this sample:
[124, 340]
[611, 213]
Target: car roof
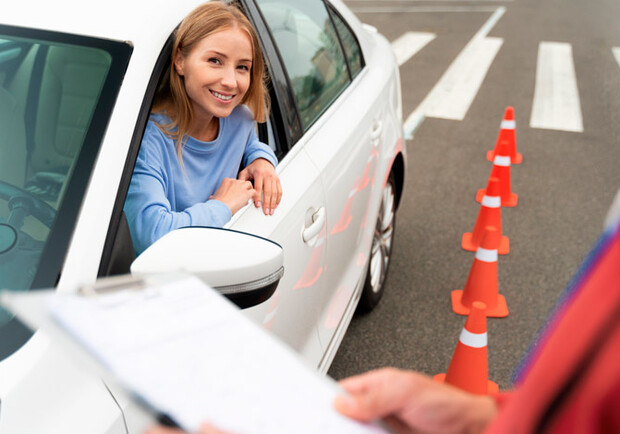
[137, 22]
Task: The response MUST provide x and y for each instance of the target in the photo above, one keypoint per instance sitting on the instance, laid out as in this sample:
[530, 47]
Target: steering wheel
[22, 204]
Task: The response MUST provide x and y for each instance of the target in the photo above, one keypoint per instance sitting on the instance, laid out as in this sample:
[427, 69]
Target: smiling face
[216, 74]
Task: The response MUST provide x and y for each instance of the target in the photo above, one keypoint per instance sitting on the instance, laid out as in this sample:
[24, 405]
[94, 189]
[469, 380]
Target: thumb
[244, 175]
[376, 394]
[348, 405]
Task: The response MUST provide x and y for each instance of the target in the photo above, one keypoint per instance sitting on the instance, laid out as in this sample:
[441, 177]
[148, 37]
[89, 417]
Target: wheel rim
[382, 240]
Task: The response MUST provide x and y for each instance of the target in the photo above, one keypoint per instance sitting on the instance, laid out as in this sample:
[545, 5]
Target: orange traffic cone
[507, 131]
[481, 283]
[489, 215]
[468, 368]
[501, 171]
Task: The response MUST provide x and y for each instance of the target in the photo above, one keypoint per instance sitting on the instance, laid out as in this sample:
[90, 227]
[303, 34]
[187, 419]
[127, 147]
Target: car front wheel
[381, 250]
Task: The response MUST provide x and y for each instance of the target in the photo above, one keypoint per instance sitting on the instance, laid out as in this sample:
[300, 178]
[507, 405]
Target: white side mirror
[243, 267]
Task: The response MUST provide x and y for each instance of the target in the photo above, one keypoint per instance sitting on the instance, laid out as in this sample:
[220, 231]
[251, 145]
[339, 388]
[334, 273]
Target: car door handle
[375, 134]
[312, 230]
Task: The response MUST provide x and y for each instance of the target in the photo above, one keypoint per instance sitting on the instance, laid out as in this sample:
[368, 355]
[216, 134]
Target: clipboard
[176, 347]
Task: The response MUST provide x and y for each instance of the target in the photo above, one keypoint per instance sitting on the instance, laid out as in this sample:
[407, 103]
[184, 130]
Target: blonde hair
[172, 98]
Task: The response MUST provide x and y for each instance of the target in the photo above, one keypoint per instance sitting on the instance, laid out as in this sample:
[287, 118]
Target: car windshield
[56, 95]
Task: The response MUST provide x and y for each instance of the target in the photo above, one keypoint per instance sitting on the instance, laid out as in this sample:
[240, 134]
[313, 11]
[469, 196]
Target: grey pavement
[565, 184]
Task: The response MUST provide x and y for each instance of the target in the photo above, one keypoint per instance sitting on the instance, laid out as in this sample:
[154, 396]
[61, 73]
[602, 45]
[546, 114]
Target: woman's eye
[243, 67]
[214, 60]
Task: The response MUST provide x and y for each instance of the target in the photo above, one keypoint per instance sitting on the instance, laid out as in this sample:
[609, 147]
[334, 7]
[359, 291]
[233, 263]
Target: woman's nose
[228, 77]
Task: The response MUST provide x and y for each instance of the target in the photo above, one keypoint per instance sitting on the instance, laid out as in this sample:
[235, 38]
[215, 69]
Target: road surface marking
[415, 1]
[408, 44]
[457, 88]
[418, 9]
[556, 103]
[453, 94]
[616, 51]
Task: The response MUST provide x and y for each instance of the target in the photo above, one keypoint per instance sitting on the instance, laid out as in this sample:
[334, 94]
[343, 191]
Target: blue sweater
[163, 196]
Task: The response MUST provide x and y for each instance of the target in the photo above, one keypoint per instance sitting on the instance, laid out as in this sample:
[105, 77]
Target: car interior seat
[12, 140]
[64, 88]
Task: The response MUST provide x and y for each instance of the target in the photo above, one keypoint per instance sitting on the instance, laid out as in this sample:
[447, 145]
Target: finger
[275, 194]
[163, 430]
[279, 187]
[206, 428]
[348, 406]
[258, 187]
[244, 175]
[377, 394]
[359, 383]
[249, 193]
[267, 197]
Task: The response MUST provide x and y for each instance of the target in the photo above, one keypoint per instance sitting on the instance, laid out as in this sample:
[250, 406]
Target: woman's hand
[411, 402]
[234, 193]
[266, 182]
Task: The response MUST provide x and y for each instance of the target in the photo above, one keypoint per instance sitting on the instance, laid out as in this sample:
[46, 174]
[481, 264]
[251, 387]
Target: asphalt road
[565, 184]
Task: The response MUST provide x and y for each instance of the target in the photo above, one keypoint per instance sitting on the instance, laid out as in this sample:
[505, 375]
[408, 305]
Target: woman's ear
[178, 65]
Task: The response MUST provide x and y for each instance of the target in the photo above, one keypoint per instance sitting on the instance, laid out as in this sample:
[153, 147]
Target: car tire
[380, 250]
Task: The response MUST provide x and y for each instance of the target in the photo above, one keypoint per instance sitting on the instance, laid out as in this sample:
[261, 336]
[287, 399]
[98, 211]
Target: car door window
[311, 53]
[56, 96]
[351, 47]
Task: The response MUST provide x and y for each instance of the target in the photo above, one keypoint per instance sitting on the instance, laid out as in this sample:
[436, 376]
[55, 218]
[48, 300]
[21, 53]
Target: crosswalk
[451, 97]
[556, 103]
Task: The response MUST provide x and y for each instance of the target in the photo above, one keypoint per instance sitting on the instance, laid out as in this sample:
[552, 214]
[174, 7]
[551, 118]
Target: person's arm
[149, 212]
[260, 163]
[411, 402]
[266, 184]
[255, 149]
[150, 215]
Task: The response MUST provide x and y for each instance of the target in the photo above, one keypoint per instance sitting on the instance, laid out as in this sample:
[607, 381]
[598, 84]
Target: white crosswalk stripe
[419, 9]
[616, 51]
[458, 87]
[556, 103]
[407, 45]
[453, 94]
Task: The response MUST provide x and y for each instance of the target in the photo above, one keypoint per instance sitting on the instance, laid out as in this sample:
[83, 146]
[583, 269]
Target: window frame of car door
[286, 128]
[134, 147]
[284, 106]
[265, 34]
[332, 11]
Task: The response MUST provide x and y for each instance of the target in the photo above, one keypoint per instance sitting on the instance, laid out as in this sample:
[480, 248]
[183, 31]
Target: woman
[201, 131]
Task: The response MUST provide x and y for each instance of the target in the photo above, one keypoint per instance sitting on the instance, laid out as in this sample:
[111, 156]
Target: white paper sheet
[188, 352]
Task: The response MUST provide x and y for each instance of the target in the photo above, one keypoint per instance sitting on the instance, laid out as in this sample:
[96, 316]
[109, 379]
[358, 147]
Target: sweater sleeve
[148, 208]
[255, 148]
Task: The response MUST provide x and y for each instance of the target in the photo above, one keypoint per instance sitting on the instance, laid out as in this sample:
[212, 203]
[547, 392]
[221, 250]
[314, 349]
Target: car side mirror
[243, 267]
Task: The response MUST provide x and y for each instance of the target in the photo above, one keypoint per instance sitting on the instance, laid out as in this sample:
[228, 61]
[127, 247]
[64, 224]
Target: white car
[77, 80]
